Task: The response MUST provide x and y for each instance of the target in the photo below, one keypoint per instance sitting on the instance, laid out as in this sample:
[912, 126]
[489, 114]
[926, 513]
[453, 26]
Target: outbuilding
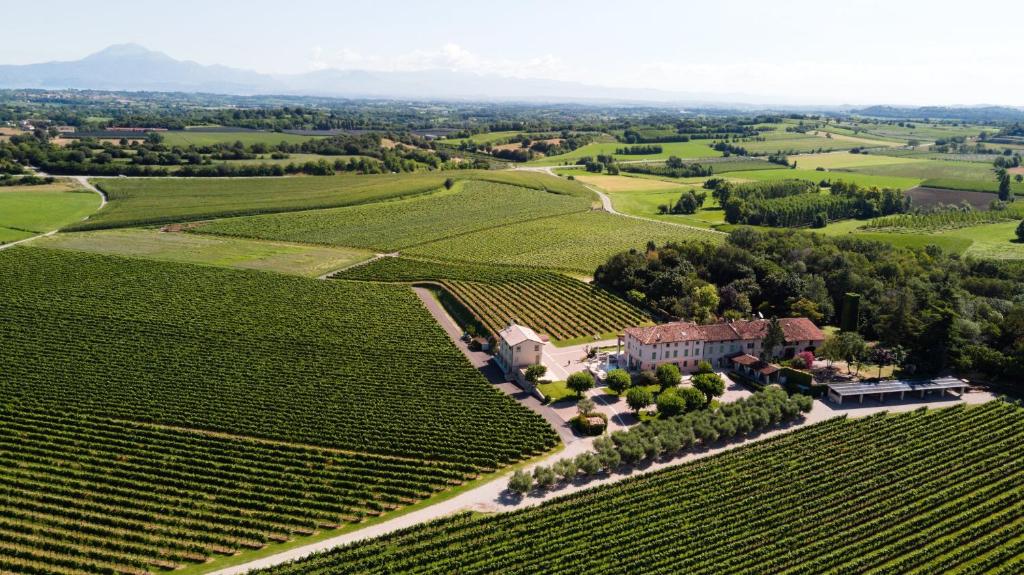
[518, 347]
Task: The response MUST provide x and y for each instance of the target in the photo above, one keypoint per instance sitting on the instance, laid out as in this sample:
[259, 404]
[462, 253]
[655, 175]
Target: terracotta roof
[746, 359]
[515, 334]
[794, 328]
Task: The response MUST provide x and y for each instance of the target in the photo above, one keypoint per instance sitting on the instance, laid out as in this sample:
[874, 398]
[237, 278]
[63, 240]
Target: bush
[670, 403]
[586, 427]
[618, 380]
[645, 378]
[694, 399]
[566, 469]
[588, 463]
[544, 477]
[520, 482]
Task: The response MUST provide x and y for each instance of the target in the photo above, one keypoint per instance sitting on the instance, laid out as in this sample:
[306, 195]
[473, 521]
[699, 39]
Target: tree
[580, 382]
[544, 477]
[618, 380]
[1019, 178]
[1004, 186]
[693, 398]
[448, 183]
[774, 337]
[831, 349]
[638, 398]
[588, 463]
[705, 303]
[704, 367]
[668, 375]
[1020, 231]
[520, 482]
[670, 403]
[882, 356]
[535, 372]
[565, 468]
[710, 384]
[585, 406]
[852, 348]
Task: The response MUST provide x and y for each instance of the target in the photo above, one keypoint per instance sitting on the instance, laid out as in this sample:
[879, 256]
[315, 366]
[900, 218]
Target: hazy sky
[822, 51]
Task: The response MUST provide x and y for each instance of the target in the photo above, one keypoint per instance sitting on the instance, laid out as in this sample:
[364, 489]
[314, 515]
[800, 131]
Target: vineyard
[467, 208]
[943, 220]
[929, 491]
[552, 304]
[346, 365]
[90, 494]
[574, 242]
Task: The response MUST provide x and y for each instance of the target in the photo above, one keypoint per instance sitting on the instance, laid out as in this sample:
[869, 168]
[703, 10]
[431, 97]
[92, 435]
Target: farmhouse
[686, 344]
[518, 347]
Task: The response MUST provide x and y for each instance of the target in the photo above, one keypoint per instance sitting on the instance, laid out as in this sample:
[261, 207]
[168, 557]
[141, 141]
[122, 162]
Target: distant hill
[966, 113]
[130, 67]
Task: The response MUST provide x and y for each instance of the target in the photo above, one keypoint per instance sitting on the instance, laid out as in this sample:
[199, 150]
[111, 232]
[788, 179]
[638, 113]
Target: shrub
[670, 403]
[694, 398]
[618, 380]
[645, 378]
[566, 469]
[592, 424]
[520, 482]
[588, 463]
[544, 477]
[705, 367]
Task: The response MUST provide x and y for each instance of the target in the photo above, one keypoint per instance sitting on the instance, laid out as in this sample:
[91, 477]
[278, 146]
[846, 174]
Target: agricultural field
[691, 149]
[920, 131]
[345, 365]
[201, 137]
[560, 307]
[90, 494]
[388, 226]
[794, 143]
[772, 506]
[574, 243]
[154, 201]
[481, 139]
[973, 185]
[642, 196]
[932, 169]
[241, 253]
[846, 160]
[866, 180]
[26, 211]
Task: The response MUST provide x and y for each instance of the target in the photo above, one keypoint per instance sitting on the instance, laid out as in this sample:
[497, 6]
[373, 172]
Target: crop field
[142, 201]
[920, 131]
[575, 242]
[484, 138]
[816, 176]
[241, 253]
[641, 197]
[846, 160]
[560, 307]
[466, 208]
[922, 196]
[84, 494]
[30, 210]
[628, 183]
[792, 142]
[938, 491]
[941, 221]
[691, 149]
[932, 169]
[207, 138]
[974, 185]
[345, 365]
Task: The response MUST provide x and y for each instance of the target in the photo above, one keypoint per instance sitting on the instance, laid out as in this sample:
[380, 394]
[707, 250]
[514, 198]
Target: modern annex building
[686, 344]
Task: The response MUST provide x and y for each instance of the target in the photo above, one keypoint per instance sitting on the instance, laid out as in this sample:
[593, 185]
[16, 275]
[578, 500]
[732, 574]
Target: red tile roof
[746, 359]
[794, 328]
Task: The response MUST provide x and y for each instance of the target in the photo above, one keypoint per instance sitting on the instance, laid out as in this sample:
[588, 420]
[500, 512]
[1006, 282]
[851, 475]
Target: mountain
[130, 67]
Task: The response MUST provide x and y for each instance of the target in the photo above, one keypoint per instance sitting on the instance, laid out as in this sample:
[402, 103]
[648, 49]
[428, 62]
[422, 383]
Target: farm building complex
[686, 344]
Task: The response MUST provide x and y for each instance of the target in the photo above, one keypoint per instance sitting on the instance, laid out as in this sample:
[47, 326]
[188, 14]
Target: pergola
[838, 392]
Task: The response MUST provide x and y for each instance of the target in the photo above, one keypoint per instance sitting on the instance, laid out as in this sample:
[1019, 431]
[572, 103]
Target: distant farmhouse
[687, 344]
[518, 347]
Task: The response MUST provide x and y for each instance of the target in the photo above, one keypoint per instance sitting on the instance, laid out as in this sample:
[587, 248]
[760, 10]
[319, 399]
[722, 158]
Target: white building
[687, 344]
[518, 347]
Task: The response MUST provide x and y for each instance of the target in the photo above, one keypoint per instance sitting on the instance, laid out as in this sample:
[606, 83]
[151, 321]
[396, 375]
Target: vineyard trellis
[923, 492]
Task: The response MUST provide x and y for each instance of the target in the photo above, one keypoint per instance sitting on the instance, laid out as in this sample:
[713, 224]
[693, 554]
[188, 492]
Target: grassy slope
[31, 210]
[289, 258]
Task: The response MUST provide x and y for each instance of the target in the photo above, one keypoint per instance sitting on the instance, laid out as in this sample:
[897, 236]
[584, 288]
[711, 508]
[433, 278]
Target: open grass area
[575, 242]
[692, 149]
[763, 505]
[466, 208]
[556, 391]
[26, 211]
[149, 201]
[206, 138]
[288, 258]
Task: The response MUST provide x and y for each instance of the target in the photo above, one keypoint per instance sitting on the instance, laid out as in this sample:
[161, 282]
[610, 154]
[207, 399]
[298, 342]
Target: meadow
[575, 243]
[642, 197]
[200, 137]
[345, 365]
[691, 149]
[560, 307]
[771, 506]
[26, 211]
[389, 226]
[241, 253]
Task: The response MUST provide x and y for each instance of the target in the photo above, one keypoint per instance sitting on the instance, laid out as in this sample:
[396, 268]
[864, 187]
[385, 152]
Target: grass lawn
[247, 137]
[692, 149]
[288, 258]
[29, 210]
[556, 391]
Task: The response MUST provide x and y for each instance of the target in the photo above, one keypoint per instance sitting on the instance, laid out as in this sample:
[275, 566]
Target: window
[686, 353]
[750, 345]
[536, 348]
[654, 355]
[675, 353]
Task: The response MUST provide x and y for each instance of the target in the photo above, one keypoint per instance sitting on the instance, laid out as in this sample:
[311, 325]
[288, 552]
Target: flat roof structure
[837, 392]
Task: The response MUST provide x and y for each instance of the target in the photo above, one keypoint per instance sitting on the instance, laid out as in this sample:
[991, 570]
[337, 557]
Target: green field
[86, 494]
[921, 131]
[793, 142]
[248, 137]
[973, 185]
[562, 308]
[150, 201]
[866, 180]
[480, 139]
[289, 258]
[389, 226]
[937, 491]
[575, 242]
[347, 365]
[846, 160]
[26, 211]
[933, 169]
[692, 149]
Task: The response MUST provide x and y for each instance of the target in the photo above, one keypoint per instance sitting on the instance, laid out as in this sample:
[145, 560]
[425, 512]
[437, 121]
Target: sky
[902, 52]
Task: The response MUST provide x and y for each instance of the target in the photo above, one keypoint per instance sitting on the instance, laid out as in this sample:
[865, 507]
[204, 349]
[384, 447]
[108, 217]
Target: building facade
[518, 347]
[687, 344]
